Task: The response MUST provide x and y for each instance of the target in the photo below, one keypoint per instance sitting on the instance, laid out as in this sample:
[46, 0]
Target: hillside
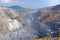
[51, 18]
[13, 26]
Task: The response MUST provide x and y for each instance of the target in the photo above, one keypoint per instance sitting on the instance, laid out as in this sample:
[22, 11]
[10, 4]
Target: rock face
[13, 26]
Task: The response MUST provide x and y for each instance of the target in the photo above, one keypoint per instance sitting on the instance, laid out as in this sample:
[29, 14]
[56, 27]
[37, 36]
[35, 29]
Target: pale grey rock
[14, 26]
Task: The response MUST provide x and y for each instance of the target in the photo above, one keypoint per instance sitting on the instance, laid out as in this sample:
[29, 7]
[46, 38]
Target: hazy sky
[33, 4]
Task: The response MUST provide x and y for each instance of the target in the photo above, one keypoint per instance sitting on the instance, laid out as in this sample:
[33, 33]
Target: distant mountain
[16, 7]
[45, 8]
[19, 7]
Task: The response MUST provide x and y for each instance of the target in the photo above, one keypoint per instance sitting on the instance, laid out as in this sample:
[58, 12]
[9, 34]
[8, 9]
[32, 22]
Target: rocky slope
[13, 26]
[51, 18]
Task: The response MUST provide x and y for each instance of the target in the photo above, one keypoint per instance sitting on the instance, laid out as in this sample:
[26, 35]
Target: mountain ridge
[16, 7]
